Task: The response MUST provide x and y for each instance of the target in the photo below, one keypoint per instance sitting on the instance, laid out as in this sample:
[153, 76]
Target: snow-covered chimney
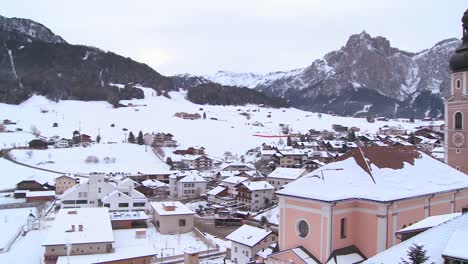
[80, 228]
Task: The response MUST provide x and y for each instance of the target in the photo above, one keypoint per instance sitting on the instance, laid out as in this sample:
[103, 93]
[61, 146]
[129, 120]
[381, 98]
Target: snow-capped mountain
[365, 71]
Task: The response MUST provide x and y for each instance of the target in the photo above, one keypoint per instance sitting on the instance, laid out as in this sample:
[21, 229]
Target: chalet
[188, 116]
[153, 188]
[291, 158]
[190, 151]
[231, 183]
[255, 195]
[33, 185]
[85, 138]
[311, 165]
[220, 195]
[247, 241]
[40, 196]
[164, 140]
[37, 144]
[198, 162]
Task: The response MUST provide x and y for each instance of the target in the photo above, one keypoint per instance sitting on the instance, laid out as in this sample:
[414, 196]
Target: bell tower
[456, 106]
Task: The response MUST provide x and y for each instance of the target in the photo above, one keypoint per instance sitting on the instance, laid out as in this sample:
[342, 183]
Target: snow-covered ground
[12, 173]
[15, 139]
[273, 215]
[7, 198]
[27, 249]
[230, 132]
[121, 157]
[11, 222]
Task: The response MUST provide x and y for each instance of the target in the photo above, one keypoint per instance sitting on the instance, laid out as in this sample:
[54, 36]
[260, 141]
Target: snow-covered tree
[416, 255]
[140, 140]
[131, 138]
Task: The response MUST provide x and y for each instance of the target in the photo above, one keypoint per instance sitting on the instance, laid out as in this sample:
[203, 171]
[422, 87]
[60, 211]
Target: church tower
[456, 106]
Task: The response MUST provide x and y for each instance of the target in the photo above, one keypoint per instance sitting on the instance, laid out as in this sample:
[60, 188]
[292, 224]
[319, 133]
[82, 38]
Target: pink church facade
[345, 221]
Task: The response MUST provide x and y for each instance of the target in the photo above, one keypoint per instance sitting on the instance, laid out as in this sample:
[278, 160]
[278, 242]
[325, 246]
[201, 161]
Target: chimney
[80, 228]
[169, 207]
[72, 228]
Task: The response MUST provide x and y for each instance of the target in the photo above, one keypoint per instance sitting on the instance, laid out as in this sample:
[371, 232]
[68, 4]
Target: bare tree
[29, 154]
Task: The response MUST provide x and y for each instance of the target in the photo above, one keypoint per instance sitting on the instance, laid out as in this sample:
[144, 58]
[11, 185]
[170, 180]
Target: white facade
[97, 192]
[191, 185]
[247, 241]
[62, 143]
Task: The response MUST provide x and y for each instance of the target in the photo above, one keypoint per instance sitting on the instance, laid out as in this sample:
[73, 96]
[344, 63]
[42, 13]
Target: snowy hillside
[248, 79]
[230, 131]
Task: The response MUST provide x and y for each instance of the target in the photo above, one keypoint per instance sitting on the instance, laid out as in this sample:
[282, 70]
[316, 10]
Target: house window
[246, 253]
[123, 204]
[458, 84]
[99, 190]
[139, 204]
[181, 222]
[235, 249]
[458, 150]
[343, 228]
[157, 224]
[458, 121]
[302, 228]
[107, 205]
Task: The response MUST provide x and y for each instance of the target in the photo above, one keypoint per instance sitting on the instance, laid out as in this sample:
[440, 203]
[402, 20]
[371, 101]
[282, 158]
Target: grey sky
[204, 36]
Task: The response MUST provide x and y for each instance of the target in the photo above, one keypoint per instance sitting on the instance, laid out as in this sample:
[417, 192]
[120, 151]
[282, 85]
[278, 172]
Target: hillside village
[164, 180]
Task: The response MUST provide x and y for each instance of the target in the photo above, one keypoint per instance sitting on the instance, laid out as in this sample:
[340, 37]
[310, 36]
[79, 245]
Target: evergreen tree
[288, 141]
[351, 136]
[204, 115]
[98, 139]
[416, 255]
[131, 138]
[169, 161]
[140, 138]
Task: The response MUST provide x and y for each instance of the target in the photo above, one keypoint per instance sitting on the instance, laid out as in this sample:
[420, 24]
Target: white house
[219, 195]
[172, 217]
[62, 143]
[97, 192]
[183, 186]
[282, 176]
[247, 241]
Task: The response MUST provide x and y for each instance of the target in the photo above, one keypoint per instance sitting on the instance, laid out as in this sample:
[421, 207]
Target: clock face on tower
[458, 139]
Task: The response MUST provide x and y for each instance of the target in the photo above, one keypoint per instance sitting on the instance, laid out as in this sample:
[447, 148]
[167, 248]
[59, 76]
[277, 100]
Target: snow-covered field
[11, 174]
[121, 157]
[230, 132]
[15, 139]
[27, 249]
[11, 221]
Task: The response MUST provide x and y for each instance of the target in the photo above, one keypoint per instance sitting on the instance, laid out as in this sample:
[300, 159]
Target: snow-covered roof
[429, 222]
[386, 173]
[258, 185]
[436, 241]
[193, 178]
[457, 245]
[345, 259]
[40, 193]
[153, 183]
[96, 227]
[130, 215]
[171, 208]
[122, 253]
[248, 235]
[287, 173]
[216, 190]
[235, 179]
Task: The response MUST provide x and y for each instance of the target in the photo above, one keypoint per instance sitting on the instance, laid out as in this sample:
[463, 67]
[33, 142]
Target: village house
[62, 143]
[85, 235]
[255, 195]
[290, 158]
[2, 128]
[188, 116]
[231, 184]
[164, 140]
[148, 138]
[34, 185]
[282, 176]
[327, 212]
[96, 192]
[172, 217]
[153, 188]
[40, 196]
[247, 241]
[190, 151]
[197, 162]
[37, 144]
[65, 182]
[187, 185]
[220, 195]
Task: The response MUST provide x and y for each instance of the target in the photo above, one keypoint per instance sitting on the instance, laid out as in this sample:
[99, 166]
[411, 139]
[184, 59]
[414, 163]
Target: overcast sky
[204, 36]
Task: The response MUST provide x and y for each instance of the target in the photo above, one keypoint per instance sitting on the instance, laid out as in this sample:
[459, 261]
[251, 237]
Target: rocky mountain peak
[29, 29]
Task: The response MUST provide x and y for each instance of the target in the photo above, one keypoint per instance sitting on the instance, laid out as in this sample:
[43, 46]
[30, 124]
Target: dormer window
[458, 121]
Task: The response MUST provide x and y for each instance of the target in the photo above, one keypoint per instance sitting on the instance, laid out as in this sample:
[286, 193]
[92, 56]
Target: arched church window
[458, 121]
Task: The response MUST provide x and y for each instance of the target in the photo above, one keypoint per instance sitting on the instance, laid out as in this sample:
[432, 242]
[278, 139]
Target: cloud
[154, 57]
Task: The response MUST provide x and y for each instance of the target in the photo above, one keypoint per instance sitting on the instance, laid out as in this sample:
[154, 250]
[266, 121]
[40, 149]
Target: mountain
[33, 60]
[366, 75]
